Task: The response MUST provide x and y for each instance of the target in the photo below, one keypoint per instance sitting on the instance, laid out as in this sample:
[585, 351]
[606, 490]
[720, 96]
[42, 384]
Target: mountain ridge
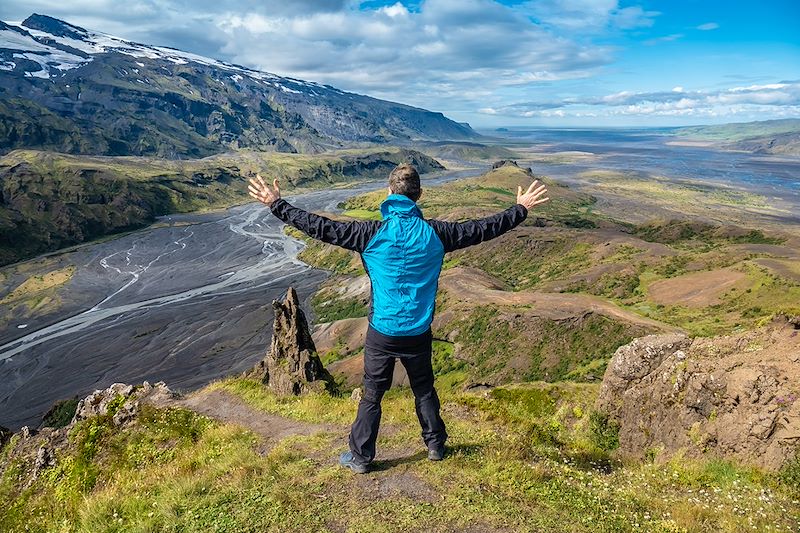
[72, 90]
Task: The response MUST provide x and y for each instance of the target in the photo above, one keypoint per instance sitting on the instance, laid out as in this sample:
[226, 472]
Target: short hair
[404, 179]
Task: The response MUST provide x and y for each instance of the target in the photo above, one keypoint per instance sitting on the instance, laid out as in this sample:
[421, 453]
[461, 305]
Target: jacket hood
[400, 204]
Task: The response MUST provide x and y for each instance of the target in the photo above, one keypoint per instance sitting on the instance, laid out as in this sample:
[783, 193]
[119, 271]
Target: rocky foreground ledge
[734, 396]
[120, 402]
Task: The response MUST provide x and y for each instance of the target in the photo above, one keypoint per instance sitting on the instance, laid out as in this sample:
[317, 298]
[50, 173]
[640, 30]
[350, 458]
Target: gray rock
[44, 459]
[292, 365]
[730, 396]
[125, 399]
[357, 394]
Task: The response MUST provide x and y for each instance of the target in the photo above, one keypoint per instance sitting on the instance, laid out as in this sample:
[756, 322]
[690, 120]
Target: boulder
[292, 365]
[731, 396]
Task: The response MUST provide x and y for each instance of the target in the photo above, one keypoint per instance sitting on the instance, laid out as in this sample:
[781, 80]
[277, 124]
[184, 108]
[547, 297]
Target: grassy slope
[466, 151]
[780, 137]
[529, 458]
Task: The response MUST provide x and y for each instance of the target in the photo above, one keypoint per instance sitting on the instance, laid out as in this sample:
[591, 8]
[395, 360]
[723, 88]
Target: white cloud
[445, 52]
[589, 15]
[396, 10]
[775, 99]
[663, 39]
[708, 26]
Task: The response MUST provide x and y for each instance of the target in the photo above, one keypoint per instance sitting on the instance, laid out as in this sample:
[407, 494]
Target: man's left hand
[262, 192]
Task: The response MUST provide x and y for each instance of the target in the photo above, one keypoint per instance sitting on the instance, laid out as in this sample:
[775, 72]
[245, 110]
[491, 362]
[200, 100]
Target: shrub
[603, 431]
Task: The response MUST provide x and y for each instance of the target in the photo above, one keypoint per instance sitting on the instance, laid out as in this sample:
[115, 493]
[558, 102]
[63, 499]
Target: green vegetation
[522, 458]
[466, 151]
[325, 256]
[741, 131]
[363, 214]
[532, 263]
[60, 414]
[513, 344]
[604, 432]
[766, 294]
[328, 309]
[686, 232]
[38, 293]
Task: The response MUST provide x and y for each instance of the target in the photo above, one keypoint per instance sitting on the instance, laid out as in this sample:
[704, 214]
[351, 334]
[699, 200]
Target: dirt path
[228, 408]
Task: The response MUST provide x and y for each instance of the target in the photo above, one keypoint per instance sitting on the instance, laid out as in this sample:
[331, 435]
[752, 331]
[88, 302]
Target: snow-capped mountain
[66, 88]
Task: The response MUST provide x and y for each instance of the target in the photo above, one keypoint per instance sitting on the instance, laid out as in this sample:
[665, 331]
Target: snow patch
[51, 58]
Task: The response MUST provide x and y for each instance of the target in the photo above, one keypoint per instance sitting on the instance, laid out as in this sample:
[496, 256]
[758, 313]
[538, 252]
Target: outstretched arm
[456, 235]
[350, 235]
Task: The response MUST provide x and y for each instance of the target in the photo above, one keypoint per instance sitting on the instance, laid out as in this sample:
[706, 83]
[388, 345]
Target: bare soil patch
[698, 289]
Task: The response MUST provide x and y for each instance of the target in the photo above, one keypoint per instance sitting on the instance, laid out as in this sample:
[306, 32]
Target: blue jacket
[402, 254]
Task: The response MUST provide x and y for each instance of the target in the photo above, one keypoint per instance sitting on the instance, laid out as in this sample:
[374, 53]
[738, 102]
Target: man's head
[405, 180]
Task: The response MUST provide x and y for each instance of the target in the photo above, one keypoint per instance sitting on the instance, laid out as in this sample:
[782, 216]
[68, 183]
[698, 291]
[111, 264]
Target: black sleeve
[455, 235]
[351, 235]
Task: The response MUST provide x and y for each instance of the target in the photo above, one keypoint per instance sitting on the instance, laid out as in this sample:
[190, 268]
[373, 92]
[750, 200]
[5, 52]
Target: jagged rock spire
[292, 365]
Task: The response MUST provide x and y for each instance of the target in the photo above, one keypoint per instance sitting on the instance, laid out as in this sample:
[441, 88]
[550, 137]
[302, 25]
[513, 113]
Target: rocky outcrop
[511, 163]
[37, 450]
[121, 401]
[292, 365]
[735, 396]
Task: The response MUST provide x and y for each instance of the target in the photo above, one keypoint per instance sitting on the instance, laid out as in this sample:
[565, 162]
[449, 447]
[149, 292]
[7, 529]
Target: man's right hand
[261, 191]
[533, 196]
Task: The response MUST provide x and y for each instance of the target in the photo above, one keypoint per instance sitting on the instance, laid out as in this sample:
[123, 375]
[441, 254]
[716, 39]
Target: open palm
[262, 192]
[533, 196]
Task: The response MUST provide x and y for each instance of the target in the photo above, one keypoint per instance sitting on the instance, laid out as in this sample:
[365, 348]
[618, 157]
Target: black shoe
[436, 453]
[347, 459]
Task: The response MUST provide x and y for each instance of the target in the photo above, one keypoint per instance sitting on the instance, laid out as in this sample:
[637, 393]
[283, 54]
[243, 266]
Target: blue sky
[495, 63]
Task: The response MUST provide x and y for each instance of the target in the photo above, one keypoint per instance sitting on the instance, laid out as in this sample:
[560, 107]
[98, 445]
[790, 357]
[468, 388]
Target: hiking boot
[436, 453]
[347, 459]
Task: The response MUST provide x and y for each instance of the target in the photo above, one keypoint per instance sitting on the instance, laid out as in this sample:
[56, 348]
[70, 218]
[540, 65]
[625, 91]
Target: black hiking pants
[415, 354]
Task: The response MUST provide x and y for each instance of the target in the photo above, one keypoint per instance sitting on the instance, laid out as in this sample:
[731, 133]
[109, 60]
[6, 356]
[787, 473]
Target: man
[402, 255]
